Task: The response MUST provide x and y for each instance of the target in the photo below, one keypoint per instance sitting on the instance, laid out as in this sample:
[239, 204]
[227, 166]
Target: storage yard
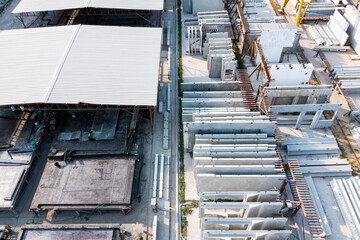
[189, 119]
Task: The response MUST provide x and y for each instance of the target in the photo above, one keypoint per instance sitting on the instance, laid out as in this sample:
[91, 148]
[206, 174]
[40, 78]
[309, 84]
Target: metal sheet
[45, 5]
[80, 64]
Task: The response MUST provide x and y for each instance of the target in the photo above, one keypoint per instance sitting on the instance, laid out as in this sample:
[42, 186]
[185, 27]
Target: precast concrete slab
[346, 194]
[300, 74]
[215, 94]
[238, 234]
[233, 147]
[236, 154]
[237, 169]
[232, 161]
[204, 140]
[328, 171]
[318, 206]
[241, 136]
[308, 149]
[216, 182]
[225, 127]
[212, 102]
[249, 224]
[252, 209]
[245, 196]
[210, 86]
[328, 162]
[86, 184]
[228, 116]
[12, 178]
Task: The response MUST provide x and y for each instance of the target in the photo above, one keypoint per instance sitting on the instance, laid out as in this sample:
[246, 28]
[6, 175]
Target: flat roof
[107, 65]
[85, 183]
[53, 5]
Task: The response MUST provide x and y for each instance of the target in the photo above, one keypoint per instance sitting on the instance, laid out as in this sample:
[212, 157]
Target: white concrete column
[316, 119]
[155, 175]
[300, 119]
[168, 179]
[295, 100]
[161, 183]
[154, 227]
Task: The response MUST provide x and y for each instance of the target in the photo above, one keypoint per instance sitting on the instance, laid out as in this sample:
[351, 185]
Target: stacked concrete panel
[346, 192]
[216, 47]
[235, 163]
[317, 157]
[332, 34]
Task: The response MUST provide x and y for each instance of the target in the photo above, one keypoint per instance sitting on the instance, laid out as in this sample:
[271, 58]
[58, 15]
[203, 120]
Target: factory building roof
[80, 64]
[46, 5]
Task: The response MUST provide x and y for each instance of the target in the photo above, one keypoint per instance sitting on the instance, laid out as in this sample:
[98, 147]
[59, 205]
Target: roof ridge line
[88, 3]
[61, 64]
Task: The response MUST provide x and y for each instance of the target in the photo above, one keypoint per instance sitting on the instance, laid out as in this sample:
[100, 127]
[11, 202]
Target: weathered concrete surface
[213, 182]
[86, 182]
[68, 234]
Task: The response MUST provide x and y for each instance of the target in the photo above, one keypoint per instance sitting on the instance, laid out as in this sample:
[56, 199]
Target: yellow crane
[300, 13]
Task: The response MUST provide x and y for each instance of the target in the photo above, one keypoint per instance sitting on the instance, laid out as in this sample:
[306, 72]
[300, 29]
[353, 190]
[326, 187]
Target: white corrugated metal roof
[51, 5]
[72, 64]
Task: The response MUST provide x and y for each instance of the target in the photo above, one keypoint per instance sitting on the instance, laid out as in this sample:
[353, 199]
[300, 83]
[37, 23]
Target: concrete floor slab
[68, 234]
[85, 182]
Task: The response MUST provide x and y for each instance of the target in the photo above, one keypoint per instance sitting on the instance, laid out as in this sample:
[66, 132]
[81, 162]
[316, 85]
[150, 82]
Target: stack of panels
[347, 194]
[243, 214]
[332, 34]
[234, 158]
[348, 72]
[317, 156]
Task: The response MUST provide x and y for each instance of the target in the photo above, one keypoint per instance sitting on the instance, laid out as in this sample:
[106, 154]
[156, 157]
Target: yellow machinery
[300, 14]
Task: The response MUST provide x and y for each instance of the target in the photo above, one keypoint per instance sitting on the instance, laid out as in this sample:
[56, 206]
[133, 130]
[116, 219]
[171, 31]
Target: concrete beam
[155, 176]
[226, 127]
[304, 108]
[212, 102]
[216, 182]
[255, 223]
[237, 169]
[232, 161]
[210, 86]
[217, 94]
[252, 209]
[161, 184]
[245, 196]
[243, 234]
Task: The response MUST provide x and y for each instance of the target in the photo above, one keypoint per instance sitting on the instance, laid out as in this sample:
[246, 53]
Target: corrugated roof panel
[29, 59]
[52, 5]
[121, 62]
[96, 64]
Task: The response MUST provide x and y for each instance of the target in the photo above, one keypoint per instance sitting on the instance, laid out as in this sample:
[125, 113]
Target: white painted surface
[46, 5]
[352, 15]
[155, 175]
[73, 64]
[204, 5]
[290, 74]
[161, 181]
[273, 43]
